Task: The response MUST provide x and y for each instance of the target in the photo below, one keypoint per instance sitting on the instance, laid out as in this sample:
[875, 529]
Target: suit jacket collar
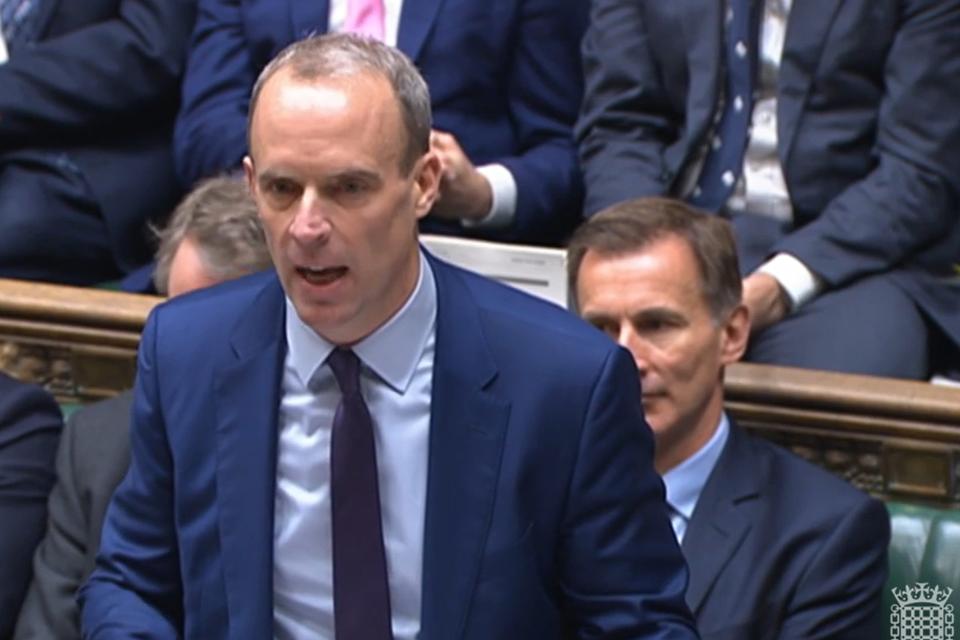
[307, 17]
[246, 400]
[807, 29]
[416, 21]
[467, 429]
[720, 522]
[45, 12]
[703, 40]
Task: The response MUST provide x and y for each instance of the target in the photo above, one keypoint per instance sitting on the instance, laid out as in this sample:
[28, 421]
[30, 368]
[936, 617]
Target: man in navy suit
[87, 100]
[371, 443]
[825, 131]
[30, 424]
[776, 547]
[503, 76]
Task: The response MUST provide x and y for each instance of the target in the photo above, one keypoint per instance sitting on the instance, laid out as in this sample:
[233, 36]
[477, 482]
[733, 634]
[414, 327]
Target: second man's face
[340, 215]
[651, 303]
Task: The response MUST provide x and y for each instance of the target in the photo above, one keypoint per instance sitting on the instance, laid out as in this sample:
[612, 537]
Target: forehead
[663, 273]
[355, 113]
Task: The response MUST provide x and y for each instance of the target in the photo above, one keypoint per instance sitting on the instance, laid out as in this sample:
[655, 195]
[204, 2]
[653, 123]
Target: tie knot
[346, 369]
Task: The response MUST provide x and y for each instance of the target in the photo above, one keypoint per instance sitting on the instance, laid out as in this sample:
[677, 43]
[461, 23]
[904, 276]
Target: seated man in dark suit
[30, 424]
[776, 547]
[504, 79]
[214, 235]
[369, 442]
[825, 130]
[88, 94]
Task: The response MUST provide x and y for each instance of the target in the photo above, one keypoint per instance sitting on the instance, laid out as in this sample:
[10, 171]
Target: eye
[609, 328]
[651, 325]
[281, 192]
[353, 187]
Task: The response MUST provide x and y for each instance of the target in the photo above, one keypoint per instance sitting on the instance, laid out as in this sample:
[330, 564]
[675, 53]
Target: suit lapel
[807, 28]
[416, 20]
[247, 399]
[309, 17]
[703, 40]
[719, 523]
[467, 429]
[45, 12]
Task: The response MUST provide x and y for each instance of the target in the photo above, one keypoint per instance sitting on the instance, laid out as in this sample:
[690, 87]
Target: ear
[426, 183]
[735, 335]
[250, 174]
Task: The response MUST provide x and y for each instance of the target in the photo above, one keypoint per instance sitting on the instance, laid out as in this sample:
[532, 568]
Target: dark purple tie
[361, 596]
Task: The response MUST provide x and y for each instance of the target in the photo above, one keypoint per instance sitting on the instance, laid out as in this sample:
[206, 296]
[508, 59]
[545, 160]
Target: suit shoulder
[529, 318]
[104, 412]
[217, 305]
[808, 485]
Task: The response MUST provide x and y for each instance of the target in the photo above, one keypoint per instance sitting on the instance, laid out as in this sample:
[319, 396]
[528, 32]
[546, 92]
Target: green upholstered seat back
[924, 547]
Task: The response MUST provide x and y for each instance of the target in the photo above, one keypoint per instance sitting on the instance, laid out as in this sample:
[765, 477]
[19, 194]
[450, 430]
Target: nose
[310, 221]
[628, 338]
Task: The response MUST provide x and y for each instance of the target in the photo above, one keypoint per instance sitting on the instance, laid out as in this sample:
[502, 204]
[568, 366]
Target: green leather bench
[924, 547]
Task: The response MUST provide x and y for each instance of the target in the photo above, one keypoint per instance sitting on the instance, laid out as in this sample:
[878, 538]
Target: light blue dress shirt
[685, 482]
[396, 379]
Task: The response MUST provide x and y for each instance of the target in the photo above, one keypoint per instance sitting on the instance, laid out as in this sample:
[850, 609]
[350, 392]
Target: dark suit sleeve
[622, 571]
[544, 92]
[51, 611]
[625, 121]
[30, 425]
[210, 133]
[840, 593]
[911, 198]
[95, 74]
[135, 589]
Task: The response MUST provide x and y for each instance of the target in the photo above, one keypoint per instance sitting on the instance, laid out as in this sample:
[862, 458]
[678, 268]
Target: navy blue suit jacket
[30, 425]
[504, 78]
[544, 517]
[868, 138]
[101, 84]
[781, 550]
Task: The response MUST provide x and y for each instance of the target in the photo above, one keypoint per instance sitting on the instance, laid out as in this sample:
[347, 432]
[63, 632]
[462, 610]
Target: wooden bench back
[897, 439]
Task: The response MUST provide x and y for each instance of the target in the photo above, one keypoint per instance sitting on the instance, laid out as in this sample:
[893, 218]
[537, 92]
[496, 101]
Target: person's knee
[873, 328]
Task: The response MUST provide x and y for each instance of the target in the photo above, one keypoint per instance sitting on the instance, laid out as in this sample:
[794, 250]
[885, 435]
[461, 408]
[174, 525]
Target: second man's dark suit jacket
[779, 549]
[93, 457]
[868, 136]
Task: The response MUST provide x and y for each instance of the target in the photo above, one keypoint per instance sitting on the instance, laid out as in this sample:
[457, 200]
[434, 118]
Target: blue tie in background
[17, 18]
[724, 162]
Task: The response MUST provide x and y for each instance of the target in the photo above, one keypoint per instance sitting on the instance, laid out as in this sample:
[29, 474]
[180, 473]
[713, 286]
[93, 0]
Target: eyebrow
[659, 313]
[350, 173]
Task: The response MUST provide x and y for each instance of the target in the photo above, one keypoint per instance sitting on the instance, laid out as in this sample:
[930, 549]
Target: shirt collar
[685, 482]
[392, 351]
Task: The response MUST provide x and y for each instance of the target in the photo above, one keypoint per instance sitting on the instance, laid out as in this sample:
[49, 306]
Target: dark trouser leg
[869, 326]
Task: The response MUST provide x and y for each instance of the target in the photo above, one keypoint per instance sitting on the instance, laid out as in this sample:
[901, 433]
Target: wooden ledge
[80, 343]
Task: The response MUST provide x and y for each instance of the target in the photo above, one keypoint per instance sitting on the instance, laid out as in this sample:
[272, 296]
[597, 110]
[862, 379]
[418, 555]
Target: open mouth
[327, 275]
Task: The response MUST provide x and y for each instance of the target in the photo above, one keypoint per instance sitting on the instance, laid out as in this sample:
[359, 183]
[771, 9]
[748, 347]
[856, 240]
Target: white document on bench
[539, 271]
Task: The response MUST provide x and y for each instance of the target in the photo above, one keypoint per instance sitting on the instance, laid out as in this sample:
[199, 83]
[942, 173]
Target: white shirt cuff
[799, 283]
[503, 203]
